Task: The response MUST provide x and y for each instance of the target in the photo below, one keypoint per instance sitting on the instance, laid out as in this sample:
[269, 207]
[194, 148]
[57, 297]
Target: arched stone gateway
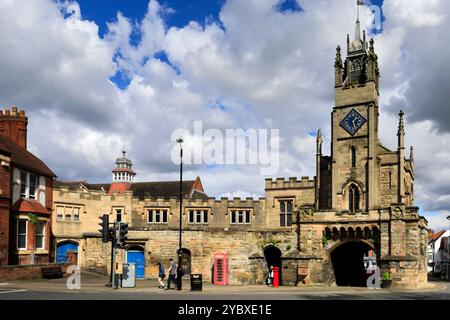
[273, 258]
[347, 259]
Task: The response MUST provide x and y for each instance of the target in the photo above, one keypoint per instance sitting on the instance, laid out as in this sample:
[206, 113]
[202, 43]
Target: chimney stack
[13, 125]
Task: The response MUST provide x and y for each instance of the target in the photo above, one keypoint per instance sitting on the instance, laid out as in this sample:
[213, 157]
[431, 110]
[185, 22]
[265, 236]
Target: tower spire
[358, 24]
[357, 44]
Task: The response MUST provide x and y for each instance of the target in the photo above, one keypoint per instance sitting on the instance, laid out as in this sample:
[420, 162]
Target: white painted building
[438, 251]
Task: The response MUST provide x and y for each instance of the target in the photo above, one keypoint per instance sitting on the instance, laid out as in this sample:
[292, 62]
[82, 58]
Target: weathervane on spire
[358, 3]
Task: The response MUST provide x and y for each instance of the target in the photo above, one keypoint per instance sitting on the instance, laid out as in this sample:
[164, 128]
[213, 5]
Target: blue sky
[103, 11]
[183, 12]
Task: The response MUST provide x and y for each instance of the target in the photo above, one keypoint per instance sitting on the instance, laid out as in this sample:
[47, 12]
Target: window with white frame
[33, 184]
[67, 213]
[198, 216]
[76, 214]
[22, 234]
[240, 216]
[59, 213]
[157, 215]
[28, 185]
[23, 184]
[40, 235]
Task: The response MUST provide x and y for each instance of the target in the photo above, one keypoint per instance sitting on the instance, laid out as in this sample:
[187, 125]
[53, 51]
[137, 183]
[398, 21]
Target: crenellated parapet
[291, 183]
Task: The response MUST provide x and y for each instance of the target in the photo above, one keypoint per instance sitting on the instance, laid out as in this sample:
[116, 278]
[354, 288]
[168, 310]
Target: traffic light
[123, 231]
[111, 234]
[104, 227]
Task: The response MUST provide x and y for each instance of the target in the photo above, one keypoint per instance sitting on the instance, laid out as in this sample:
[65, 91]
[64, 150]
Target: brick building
[26, 196]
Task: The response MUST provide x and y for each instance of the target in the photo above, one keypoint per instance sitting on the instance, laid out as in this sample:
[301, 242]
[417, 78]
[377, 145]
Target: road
[93, 288]
[121, 295]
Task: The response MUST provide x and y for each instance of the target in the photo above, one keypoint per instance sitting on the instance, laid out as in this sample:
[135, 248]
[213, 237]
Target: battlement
[291, 183]
[209, 202]
[13, 113]
[13, 125]
[97, 195]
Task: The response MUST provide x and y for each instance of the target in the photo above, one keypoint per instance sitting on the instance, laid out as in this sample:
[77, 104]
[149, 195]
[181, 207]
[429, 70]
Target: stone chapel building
[359, 208]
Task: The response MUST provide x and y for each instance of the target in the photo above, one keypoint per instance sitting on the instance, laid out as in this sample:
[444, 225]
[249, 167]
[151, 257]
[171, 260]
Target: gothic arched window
[353, 151]
[355, 70]
[353, 198]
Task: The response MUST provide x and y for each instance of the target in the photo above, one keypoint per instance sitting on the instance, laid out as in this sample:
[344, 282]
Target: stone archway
[273, 258]
[347, 259]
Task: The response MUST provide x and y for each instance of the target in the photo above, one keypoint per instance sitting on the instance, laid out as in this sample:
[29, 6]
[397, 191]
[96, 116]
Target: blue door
[62, 249]
[137, 257]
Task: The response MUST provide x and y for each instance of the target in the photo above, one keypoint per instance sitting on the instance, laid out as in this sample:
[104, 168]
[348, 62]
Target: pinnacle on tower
[401, 124]
[338, 62]
[319, 142]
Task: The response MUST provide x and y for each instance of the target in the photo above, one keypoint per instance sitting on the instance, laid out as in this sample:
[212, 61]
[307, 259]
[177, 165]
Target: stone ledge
[398, 258]
[309, 257]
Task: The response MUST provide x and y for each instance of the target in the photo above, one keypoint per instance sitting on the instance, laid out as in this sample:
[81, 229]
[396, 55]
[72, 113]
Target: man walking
[172, 274]
[161, 275]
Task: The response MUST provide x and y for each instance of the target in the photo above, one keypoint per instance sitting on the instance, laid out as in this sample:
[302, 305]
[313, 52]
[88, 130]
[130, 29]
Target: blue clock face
[352, 122]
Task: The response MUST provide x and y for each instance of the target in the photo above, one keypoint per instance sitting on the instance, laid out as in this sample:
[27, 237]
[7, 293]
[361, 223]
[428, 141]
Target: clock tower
[355, 169]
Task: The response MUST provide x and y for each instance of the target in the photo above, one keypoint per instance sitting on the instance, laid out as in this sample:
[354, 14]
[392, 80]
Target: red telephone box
[276, 277]
[221, 269]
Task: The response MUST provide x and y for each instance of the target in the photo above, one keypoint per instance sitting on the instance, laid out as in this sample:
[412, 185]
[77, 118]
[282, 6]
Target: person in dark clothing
[172, 274]
[161, 275]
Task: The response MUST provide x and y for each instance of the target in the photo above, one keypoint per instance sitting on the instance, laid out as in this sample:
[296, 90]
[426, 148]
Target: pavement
[93, 287]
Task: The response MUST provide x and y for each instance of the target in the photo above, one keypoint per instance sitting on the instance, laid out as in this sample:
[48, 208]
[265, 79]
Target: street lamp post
[179, 269]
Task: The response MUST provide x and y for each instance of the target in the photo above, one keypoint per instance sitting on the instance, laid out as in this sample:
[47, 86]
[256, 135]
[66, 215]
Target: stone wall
[246, 263]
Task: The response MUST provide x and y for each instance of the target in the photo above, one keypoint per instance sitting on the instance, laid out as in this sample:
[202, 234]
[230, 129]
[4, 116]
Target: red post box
[276, 277]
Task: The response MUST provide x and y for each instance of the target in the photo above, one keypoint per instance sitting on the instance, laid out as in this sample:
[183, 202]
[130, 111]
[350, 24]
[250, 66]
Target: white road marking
[13, 291]
[3, 284]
